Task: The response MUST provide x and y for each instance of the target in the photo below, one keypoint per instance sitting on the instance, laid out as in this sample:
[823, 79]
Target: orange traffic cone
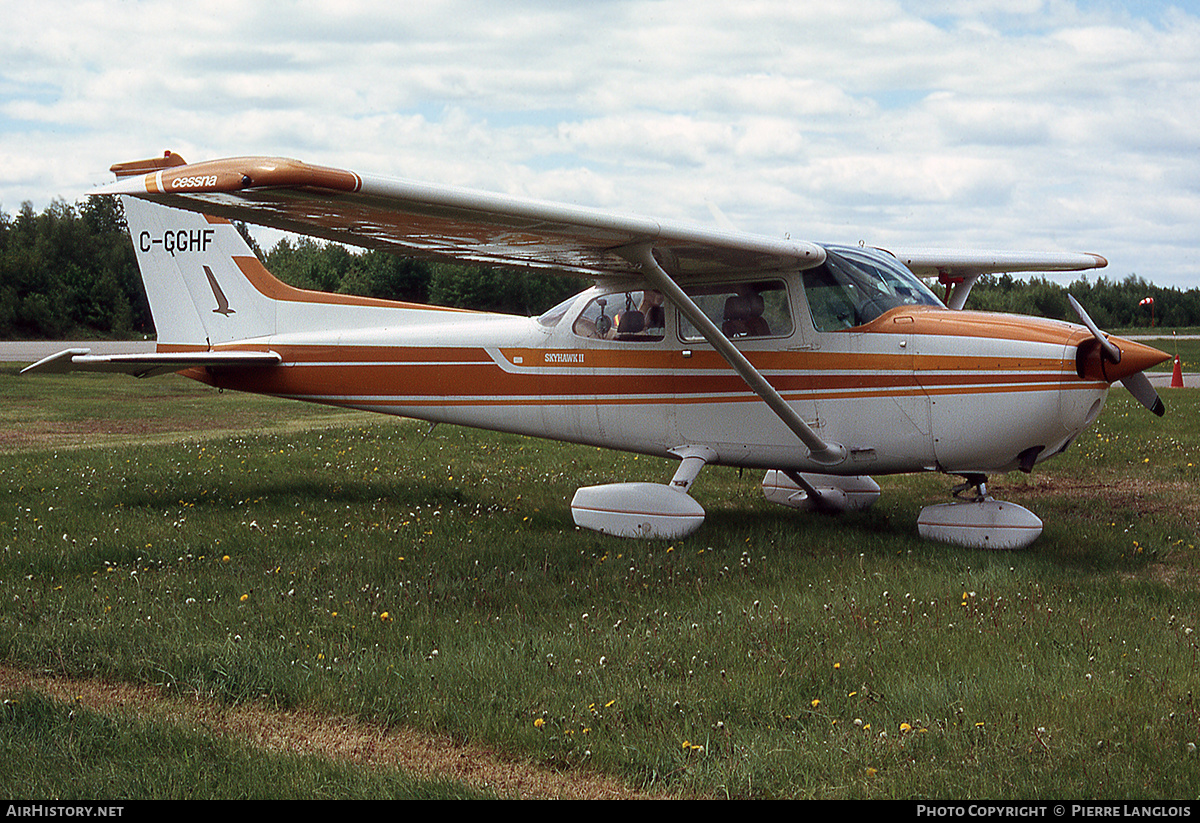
[1177, 375]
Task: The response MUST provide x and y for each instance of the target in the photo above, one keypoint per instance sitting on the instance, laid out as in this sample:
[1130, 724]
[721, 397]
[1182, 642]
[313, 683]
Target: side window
[741, 310]
[633, 316]
[832, 303]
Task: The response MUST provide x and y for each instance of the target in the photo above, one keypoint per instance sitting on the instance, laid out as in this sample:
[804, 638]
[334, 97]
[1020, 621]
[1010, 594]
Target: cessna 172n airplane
[820, 364]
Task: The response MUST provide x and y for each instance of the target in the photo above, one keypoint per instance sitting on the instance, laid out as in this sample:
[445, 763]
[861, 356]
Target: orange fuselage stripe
[457, 376]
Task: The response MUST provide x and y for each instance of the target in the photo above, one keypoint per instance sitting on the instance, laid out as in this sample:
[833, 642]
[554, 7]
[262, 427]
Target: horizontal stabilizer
[149, 364]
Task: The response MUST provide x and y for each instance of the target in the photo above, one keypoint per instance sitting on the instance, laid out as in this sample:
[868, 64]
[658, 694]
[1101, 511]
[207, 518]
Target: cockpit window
[854, 286]
[758, 309]
[551, 317]
[634, 316]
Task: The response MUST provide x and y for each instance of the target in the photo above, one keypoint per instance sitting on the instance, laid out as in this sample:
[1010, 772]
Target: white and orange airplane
[820, 364]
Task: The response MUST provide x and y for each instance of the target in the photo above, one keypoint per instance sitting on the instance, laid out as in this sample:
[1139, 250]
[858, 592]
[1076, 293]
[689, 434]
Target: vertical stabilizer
[198, 294]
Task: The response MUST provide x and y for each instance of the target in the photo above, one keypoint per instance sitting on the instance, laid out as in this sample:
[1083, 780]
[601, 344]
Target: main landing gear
[977, 521]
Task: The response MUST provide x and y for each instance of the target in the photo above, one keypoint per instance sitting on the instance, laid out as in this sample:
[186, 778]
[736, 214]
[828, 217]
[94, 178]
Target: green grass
[69, 411]
[1166, 332]
[1188, 351]
[356, 565]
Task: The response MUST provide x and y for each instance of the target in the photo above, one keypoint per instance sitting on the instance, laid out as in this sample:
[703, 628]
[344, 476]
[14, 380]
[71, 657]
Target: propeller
[1130, 374]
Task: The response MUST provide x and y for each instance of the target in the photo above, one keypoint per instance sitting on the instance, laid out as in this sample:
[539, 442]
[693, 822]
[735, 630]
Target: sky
[1042, 125]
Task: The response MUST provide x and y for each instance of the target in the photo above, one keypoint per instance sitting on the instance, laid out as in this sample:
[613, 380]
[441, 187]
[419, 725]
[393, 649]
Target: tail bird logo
[222, 301]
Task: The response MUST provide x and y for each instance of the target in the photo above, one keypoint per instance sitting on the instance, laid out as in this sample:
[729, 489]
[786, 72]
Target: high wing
[952, 263]
[958, 270]
[422, 220]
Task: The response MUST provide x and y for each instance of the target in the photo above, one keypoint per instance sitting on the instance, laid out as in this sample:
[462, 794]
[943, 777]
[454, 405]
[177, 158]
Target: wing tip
[132, 168]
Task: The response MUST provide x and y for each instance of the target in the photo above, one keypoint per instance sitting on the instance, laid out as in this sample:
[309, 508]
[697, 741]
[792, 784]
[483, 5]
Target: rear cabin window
[741, 310]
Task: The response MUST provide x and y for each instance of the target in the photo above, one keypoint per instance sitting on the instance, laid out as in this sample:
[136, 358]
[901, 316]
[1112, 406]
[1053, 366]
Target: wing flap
[149, 364]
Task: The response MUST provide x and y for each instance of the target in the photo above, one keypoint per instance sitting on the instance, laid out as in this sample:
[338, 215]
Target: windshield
[854, 286]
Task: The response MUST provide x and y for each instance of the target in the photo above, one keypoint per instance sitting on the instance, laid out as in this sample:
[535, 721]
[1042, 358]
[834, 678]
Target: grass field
[256, 552]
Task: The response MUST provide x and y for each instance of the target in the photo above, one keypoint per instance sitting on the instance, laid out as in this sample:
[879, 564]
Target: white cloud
[1005, 123]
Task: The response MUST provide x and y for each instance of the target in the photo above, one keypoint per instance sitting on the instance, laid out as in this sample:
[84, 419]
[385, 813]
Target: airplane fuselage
[914, 389]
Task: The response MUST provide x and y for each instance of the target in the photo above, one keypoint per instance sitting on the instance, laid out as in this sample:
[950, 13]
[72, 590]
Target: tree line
[1113, 304]
[70, 271]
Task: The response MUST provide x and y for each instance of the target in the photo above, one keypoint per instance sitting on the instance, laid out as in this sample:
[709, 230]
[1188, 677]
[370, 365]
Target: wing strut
[826, 454]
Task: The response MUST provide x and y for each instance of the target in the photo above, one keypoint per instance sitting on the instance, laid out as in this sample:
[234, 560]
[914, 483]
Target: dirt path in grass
[303, 732]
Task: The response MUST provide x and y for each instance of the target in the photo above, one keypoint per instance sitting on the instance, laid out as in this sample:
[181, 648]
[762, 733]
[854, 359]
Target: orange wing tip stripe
[150, 166]
[171, 175]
